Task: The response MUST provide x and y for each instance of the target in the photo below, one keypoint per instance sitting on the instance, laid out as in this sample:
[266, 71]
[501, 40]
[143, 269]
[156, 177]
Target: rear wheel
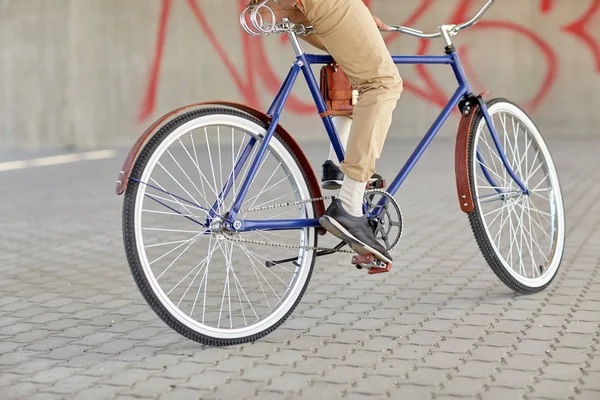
[521, 235]
[203, 281]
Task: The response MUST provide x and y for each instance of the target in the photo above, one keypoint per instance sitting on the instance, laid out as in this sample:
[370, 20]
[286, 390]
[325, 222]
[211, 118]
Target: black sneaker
[355, 231]
[332, 177]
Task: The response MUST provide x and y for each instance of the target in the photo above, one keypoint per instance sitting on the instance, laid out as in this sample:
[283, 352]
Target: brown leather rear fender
[469, 107]
[134, 153]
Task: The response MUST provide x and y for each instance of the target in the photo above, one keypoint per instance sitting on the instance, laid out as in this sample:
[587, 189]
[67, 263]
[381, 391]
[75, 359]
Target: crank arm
[270, 264]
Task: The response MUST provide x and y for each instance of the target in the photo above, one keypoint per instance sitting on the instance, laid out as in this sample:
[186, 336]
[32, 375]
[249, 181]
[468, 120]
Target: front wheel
[521, 235]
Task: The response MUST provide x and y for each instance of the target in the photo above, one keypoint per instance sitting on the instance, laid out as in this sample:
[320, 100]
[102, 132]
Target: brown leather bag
[339, 96]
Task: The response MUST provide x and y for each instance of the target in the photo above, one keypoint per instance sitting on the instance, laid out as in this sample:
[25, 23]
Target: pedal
[369, 262]
[378, 184]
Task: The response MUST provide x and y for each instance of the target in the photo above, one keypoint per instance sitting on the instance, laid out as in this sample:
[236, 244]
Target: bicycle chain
[291, 204]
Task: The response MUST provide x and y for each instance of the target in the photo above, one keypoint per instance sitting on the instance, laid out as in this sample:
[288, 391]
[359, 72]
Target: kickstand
[293, 260]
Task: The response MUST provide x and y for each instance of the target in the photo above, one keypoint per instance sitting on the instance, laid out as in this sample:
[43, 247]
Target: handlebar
[262, 27]
[453, 31]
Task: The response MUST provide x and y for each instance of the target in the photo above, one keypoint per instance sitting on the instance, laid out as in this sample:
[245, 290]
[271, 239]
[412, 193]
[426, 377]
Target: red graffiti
[580, 27]
[248, 77]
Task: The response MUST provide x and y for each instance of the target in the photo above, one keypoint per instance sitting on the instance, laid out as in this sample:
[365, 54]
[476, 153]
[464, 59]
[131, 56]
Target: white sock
[342, 126]
[351, 195]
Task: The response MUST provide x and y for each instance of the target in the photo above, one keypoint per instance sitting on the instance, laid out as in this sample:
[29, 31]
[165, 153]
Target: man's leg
[347, 29]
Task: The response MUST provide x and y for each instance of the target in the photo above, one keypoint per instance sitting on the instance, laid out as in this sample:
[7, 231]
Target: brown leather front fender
[469, 109]
[131, 158]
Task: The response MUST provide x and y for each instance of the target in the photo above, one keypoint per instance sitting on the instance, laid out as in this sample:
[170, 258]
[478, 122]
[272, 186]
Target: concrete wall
[94, 73]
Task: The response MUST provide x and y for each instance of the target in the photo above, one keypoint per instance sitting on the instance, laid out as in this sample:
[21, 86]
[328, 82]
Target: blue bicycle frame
[303, 65]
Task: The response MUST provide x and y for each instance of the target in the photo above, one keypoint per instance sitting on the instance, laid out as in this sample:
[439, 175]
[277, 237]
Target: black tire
[129, 235]
[478, 225]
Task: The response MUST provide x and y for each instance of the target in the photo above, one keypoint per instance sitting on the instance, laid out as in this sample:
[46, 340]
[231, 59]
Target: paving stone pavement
[440, 326]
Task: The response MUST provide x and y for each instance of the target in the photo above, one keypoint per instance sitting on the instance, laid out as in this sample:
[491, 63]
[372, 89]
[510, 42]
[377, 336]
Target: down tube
[435, 128]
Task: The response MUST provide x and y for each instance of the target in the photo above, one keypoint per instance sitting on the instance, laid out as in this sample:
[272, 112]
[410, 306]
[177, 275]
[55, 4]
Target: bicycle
[263, 197]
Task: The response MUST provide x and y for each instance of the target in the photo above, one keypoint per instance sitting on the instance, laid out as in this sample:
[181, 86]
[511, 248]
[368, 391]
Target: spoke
[176, 181]
[505, 189]
[269, 239]
[256, 256]
[528, 145]
[201, 266]
[507, 142]
[177, 212]
[211, 249]
[540, 196]
[505, 149]
[177, 258]
[167, 213]
[516, 136]
[237, 282]
[257, 269]
[542, 181]
[512, 238]
[251, 159]
[229, 290]
[534, 171]
[174, 197]
[280, 214]
[265, 157]
[273, 200]
[534, 234]
[537, 244]
[542, 213]
[197, 165]
[491, 151]
[254, 269]
[174, 230]
[533, 263]
[499, 234]
[200, 174]
[166, 243]
[520, 247]
[187, 176]
[212, 168]
[233, 164]
[520, 160]
[488, 169]
[237, 287]
[262, 190]
[225, 289]
[220, 161]
[538, 223]
[496, 210]
[490, 198]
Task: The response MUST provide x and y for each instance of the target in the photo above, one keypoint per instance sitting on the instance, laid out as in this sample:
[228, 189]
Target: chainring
[386, 222]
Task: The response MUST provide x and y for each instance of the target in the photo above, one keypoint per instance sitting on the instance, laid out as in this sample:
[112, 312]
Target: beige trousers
[347, 31]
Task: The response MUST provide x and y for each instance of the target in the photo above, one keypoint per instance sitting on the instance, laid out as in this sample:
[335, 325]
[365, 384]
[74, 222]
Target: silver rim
[214, 285]
[525, 232]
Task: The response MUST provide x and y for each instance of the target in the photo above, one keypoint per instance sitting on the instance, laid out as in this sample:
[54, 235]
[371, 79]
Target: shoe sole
[334, 227]
[331, 185]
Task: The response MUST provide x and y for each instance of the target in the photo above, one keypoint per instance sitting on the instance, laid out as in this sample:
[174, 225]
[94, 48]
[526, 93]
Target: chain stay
[291, 204]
